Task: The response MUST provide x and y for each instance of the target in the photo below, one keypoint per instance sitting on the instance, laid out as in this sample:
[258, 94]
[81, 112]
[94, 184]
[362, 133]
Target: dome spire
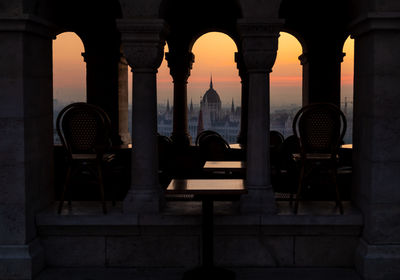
[211, 84]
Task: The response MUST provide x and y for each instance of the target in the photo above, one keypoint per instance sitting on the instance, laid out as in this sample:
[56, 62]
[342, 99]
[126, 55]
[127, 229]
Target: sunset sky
[214, 55]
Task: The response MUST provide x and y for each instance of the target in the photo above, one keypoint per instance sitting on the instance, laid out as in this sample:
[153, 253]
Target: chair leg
[66, 183]
[101, 184]
[301, 178]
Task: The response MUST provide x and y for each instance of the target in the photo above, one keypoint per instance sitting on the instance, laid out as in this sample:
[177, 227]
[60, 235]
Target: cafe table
[208, 191]
[224, 166]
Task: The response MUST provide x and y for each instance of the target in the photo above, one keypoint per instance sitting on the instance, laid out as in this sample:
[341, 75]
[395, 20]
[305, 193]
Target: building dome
[211, 96]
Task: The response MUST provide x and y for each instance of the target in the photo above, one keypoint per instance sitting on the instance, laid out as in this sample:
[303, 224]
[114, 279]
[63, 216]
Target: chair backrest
[320, 128]
[83, 128]
[213, 147]
[275, 138]
[203, 134]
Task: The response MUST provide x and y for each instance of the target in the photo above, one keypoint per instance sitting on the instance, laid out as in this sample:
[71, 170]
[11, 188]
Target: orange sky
[69, 69]
[214, 54]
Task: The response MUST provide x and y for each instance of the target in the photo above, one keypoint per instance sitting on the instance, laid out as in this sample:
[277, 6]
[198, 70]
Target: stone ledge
[87, 218]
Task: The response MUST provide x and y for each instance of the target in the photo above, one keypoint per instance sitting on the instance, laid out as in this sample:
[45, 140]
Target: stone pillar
[305, 80]
[259, 48]
[376, 152]
[143, 48]
[123, 102]
[180, 64]
[26, 142]
[242, 137]
[321, 74]
[102, 76]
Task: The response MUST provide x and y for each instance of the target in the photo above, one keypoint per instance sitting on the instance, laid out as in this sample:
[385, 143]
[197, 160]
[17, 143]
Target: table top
[347, 146]
[225, 165]
[207, 186]
[235, 146]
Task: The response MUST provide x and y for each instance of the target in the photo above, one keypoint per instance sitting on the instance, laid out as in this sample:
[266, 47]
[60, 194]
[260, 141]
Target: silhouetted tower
[191, 107]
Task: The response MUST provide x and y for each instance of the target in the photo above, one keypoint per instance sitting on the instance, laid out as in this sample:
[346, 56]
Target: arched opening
[165, 97]
[214, 87]
[69, 73]
[286, 84]
[346, 96]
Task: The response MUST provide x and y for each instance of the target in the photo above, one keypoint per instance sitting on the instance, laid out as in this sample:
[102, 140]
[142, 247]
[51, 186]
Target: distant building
[209, 116]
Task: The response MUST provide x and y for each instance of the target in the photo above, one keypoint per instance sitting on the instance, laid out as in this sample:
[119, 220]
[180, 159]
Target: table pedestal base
[206, 273]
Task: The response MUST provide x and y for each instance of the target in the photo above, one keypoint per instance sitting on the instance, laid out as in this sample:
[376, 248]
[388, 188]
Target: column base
[378, 262]
[258, 200]
[142, 201]
[21, 262]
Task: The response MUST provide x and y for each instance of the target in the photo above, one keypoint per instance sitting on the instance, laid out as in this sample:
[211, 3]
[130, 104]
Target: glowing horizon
[214, 55]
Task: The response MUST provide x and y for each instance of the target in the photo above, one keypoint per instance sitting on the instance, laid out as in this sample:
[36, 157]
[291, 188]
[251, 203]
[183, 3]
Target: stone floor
[176, 274]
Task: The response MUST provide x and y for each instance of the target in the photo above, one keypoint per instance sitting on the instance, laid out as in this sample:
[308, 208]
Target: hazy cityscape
[228, 124]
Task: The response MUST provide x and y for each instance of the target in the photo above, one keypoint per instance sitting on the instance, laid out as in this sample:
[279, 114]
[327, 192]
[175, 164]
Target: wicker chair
[320, 128]
[84, 132]
[205, 133]
[213, 147]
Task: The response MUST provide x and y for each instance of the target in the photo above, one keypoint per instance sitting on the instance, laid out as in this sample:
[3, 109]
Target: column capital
[389, 21]
[306, 58]
[240, 65]
[180, 64]
[259, 43]
[143, 42]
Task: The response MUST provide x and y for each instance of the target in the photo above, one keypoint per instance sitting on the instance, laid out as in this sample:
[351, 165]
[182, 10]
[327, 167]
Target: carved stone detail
[180, 65]
[241, 65]
[259, 44]
[143, 43]
[305, 58]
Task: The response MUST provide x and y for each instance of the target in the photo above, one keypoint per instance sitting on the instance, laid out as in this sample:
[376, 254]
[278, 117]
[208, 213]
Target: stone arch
[298, 36]
[188, 20]
[224, 7]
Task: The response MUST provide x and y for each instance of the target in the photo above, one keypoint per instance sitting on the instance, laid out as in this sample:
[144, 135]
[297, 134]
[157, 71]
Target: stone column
[180, 64]
[26, 142]
[242, 137]
[102, 76]
[259, 48]
[321, 74]
[123, 101]
[376, 152]
[143, 48]
[305, 80]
